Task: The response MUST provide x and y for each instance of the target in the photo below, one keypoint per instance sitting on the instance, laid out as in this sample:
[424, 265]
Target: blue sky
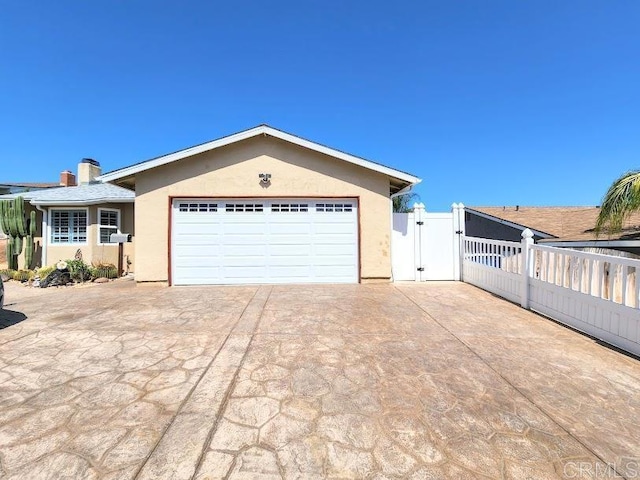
[499, 102]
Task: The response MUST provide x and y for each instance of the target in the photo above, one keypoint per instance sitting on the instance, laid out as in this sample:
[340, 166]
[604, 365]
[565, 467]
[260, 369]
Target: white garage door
[264, 241]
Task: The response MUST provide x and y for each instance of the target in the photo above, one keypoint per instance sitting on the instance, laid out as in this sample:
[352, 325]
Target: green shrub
[106, 270]
[43, 272]
[23, 275]
[78, 270]
[8, 272]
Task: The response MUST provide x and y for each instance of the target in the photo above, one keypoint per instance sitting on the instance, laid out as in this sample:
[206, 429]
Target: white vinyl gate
[231, 241]
[425, 245]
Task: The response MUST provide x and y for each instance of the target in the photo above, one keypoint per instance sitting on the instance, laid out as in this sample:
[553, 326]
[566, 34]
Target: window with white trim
[108, 223]
[68, 226]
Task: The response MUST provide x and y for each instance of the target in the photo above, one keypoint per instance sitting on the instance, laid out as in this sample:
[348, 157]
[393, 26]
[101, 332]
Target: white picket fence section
[594, 293]
[493, 265]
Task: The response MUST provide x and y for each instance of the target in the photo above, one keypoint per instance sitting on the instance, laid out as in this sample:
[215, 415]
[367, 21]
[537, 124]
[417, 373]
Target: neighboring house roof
[561, 224]
[90, 194]
[402, 179]
[28, 185]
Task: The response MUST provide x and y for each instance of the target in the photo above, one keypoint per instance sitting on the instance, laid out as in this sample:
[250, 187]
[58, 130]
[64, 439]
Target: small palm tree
[621, 200]
[402, 203]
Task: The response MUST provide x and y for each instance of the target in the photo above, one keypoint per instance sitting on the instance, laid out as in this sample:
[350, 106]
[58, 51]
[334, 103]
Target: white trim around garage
[264, 240]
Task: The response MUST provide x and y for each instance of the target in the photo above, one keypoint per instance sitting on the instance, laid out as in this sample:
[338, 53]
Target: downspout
[402, 191]
[43, 259]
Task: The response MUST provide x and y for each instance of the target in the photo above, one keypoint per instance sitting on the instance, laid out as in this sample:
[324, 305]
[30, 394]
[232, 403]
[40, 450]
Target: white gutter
[93, 201]
[45, 232]
[403, 191]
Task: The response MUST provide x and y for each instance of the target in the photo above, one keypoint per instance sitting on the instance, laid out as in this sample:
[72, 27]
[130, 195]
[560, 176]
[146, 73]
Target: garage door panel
[184, 257]
[293, 249]
[243, 228]
[338, 260]
[199, 228]
[197, 240]
[194, 261]
[335, 249]
[246, 272]
[329, 271]
[286, 241]
[257, 250]
[287, 272]
[248, 240]
[289, 260]
[289, 229]
[194, 272]
[333, 228]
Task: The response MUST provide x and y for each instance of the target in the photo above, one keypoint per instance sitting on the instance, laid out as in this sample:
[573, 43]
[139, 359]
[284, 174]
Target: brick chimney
[88, 170]
[67, 179]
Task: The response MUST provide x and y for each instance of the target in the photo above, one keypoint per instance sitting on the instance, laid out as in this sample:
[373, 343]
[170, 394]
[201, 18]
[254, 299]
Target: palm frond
[620, 201]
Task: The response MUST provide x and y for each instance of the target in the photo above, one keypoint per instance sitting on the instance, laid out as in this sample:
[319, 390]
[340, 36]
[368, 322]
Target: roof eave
[67, 203]
[244, 135]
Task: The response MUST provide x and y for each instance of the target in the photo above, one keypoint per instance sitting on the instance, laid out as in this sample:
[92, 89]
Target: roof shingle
[80, 195]
[565, 223]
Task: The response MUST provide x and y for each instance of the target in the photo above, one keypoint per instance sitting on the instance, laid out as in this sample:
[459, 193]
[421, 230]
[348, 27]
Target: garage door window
[244, 207]
[289, 207]
[334, 207]
[198, 207]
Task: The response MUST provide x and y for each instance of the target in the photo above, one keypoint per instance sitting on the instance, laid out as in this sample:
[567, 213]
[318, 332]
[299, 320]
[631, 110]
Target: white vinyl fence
[594, 293]
[493, 265]
[426, 245]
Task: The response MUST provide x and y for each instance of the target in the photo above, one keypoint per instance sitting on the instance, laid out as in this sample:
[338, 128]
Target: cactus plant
[20, 230]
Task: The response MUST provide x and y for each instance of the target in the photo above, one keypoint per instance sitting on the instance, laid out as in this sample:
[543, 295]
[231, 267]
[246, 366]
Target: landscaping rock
[5, 277]
[101, 280]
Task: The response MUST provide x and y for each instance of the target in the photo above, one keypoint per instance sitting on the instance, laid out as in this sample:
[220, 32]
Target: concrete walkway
[438, 380]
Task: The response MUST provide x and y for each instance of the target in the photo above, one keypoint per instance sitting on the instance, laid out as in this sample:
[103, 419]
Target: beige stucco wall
[91, 251]
[233, 171]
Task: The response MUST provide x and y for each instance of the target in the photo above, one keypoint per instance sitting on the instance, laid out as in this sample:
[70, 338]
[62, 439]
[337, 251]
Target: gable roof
[404, 179]
[570, 224]
[91, 194]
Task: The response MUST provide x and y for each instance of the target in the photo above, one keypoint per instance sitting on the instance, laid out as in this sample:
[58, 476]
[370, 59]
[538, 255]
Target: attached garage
[258, 240]
[262, 206]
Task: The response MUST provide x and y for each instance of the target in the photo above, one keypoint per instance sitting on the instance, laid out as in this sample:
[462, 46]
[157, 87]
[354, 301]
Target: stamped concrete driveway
[360, 381]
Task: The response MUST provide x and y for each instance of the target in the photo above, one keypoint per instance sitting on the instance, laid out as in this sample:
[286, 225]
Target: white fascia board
[93, 201]
[593, 243]
[508, 223]
[237, 137]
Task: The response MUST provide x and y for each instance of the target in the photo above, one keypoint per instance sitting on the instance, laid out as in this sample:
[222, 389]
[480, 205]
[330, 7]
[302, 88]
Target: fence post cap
[454, 205]
[526, 233]
[461, 205]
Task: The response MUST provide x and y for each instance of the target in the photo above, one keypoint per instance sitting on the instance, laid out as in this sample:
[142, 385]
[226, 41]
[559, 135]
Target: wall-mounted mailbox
[120, 237]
